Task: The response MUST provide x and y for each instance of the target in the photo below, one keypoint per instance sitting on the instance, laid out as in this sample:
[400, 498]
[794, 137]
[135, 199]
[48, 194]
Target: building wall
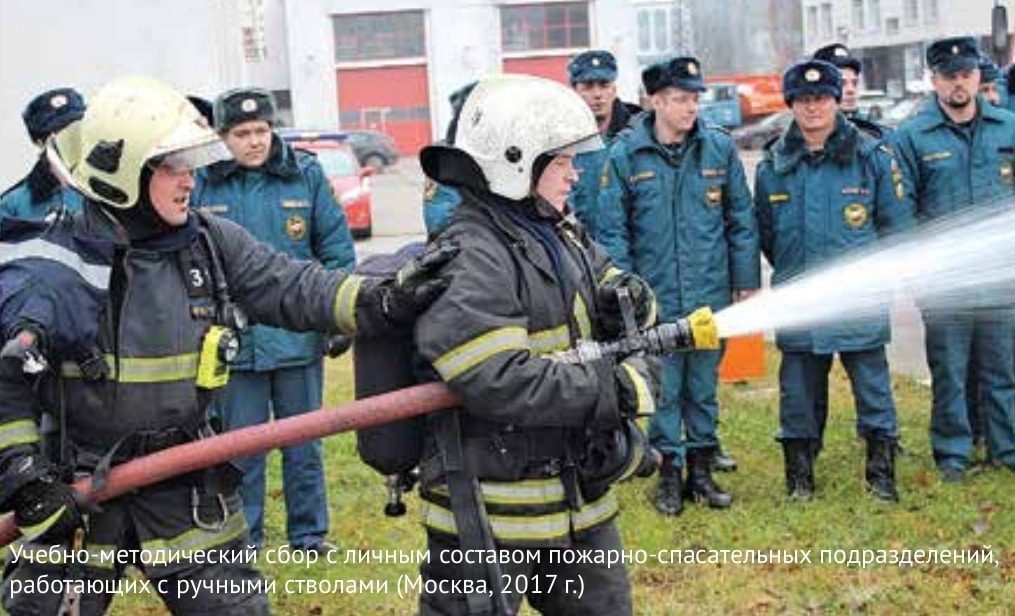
[462, 41]
[953, 17]
[196, 45]
[747, 36]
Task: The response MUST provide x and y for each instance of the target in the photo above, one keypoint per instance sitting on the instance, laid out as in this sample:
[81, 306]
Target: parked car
[349, 181]
[872, 104]
[373, 148]
[755, 136]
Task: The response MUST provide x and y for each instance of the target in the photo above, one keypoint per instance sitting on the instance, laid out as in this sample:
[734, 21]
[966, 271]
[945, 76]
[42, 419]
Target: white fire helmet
[508, 121]
[131, 122]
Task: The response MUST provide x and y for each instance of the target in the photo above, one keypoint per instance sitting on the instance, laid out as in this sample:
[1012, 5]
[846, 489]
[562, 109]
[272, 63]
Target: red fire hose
[212, 451]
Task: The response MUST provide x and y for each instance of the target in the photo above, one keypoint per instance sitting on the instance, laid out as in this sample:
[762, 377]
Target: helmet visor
[586, 144]
[190, 158]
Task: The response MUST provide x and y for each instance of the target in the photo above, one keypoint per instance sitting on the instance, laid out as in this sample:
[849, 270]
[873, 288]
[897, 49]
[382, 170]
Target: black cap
[593, 65]
[683, 72]
[243, 105]
[811, 77]
[51, 111]
[954, 54]
[839, 55]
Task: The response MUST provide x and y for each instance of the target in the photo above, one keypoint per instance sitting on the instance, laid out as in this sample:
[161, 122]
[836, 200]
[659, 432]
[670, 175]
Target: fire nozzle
[696, 331]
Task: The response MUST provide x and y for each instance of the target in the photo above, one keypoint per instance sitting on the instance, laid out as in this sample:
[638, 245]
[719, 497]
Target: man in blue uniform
[593, 75]
[958, 153]
[284, 199]
[850, 67]
[40, 194]
[990, 75]
[675, 209]
[823, 188]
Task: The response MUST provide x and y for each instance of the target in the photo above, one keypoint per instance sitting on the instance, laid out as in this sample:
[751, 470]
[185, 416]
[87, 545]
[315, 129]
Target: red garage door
[391, 99]
[550, 67]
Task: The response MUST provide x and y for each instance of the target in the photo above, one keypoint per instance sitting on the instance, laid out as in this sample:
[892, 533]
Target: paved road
[398, 220]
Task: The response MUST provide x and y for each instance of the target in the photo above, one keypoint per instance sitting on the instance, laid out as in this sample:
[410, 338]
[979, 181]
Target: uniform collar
[642, 135]
[931, 116]
[789, 149]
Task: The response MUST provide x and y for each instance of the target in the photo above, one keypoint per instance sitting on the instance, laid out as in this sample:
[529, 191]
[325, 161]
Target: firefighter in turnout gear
[529, 458]
[131, 305]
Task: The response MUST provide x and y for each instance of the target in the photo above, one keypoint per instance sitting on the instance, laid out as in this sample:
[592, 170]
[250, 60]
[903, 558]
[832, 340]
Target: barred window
[529, 27]
[379, 36]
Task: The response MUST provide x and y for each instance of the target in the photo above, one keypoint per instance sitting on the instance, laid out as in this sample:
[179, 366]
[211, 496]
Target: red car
[349, 181]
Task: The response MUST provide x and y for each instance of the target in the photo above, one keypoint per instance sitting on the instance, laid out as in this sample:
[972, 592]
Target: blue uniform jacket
[584, 198]
[288, 204]
[686, 225]
[439, 202]
[814, 209]
[38, 195]
[951, 169]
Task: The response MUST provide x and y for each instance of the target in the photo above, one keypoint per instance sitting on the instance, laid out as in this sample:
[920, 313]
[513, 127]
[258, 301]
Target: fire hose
[696, 331]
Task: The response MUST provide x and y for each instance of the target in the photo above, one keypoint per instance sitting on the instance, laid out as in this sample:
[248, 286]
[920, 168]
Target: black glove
[643, 300]
[46, 511]
[637, 385]
[411, 290]
[337, 345]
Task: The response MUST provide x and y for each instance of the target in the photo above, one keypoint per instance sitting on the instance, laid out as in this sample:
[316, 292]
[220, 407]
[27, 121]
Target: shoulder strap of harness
[227, 313]
[474, 531]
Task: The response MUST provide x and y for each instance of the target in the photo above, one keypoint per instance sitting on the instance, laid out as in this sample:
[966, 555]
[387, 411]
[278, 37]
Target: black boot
[723, 462]
[799, 460]
[700, 485]
[669, 499]
[881, 469]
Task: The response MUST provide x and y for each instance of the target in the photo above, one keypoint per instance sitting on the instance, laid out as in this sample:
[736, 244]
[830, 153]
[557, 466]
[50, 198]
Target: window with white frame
[910, 12]
[812, 21]
[660, 29]
[826, 20]
[930, 11]
[874, 15]
[858, 23]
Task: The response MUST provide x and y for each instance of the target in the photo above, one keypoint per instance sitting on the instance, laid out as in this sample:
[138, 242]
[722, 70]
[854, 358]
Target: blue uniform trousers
[250, 399]
[803, 393]
[687, 402]
[954, 341]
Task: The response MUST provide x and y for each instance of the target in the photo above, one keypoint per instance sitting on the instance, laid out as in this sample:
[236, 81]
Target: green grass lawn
[932, 515]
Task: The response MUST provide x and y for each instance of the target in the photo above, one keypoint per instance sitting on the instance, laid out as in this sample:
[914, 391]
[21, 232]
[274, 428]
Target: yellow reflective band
[529, 528]
[479, 349]
[345, 303]
[71, 370]
[936, 156]
[18, 432]
[33, 531]
[596, 512]
[581, 315]
[550, 340]
[197, 539]
[646, 402]
[653, 313]
[778, 198]
[525, 492]
[611, 272]
[157, 369]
